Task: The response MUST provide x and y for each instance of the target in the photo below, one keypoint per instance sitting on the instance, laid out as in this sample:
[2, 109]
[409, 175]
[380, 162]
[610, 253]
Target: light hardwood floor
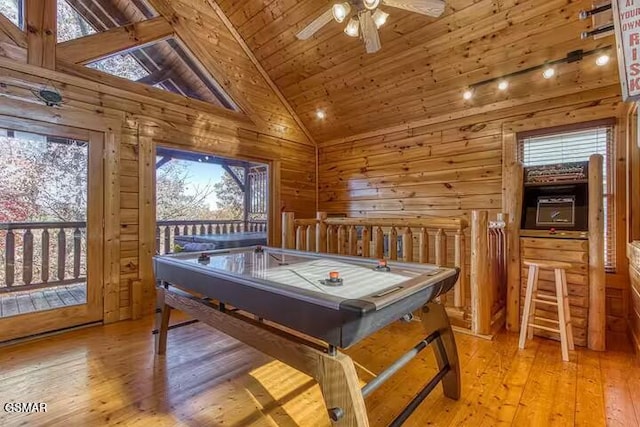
[109, 376]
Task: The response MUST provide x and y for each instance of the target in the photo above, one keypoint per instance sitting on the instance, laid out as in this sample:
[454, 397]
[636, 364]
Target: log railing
[166, 231]
[476, 301]
[41, 254]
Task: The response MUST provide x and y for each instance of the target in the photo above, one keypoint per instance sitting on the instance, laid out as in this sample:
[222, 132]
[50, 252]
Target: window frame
[612, 262]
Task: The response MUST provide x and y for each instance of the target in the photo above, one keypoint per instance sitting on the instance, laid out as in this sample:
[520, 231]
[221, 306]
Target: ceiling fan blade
[314, 26]
[432, 8]
[369, 32]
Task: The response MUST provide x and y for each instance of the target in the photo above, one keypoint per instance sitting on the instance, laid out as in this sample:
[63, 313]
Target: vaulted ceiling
[416, 79]
[424, 64]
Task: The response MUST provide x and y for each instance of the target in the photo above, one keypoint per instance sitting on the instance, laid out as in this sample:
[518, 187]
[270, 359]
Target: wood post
[366, 242]
[597, 285]
[301, 238]
[480, 294]
[407, 245]
[459, 296]
[321, 232]
[353, 241]
[393, 244]
[441, 247]
[288, 231]
[424, 245]
[41, 30]
[379, 243]
[514, 177]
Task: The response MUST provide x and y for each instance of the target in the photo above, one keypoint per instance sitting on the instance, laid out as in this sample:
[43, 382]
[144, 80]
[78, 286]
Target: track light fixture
[549, 69]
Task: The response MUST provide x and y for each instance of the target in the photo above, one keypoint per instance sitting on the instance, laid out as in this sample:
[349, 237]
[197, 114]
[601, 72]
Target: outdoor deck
[21, 302]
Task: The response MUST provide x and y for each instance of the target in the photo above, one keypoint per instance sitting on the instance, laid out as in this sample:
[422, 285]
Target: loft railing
[477, 300]
[166, 231]
[41, 254]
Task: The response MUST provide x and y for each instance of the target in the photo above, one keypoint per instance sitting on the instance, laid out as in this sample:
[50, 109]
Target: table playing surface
[293, 287]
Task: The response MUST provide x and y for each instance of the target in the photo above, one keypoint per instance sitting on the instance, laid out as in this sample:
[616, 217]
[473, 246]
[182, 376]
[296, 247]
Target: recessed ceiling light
[503, 85]
[548, 72]
[602, 60]
[468, 94]
[321, 114]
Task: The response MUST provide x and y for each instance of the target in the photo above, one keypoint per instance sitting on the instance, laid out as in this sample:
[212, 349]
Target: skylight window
[14, 10]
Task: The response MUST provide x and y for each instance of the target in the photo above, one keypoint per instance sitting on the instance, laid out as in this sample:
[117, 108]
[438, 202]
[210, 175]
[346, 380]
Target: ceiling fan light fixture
[380, 17]
[371, 4]
[341, 11]
[353, 27]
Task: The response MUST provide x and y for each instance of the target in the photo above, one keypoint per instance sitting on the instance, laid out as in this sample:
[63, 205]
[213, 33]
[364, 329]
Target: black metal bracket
[177, 325]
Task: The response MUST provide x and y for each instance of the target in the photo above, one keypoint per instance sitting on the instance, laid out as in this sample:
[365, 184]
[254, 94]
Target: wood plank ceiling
[424, 64]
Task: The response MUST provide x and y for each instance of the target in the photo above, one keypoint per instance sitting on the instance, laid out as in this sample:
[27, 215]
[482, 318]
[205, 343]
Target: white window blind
[577, 146]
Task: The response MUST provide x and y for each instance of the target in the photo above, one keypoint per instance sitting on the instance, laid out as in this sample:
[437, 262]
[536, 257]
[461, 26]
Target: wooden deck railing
[477, 296]
[166, 231]
[46, 254]
[37, 255]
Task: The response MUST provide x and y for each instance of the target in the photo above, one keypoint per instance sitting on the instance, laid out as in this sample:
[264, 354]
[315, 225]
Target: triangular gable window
[165, 64]
[168, 65]
[14, 10]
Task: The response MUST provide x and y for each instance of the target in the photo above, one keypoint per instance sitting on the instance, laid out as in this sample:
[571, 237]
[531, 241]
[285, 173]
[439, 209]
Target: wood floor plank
[589, 392]
[615, 369]
[108, 376]
[549, 395]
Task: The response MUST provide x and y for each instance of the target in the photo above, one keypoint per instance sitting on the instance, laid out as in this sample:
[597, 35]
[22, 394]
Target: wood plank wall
[153, 121]
[451, 167]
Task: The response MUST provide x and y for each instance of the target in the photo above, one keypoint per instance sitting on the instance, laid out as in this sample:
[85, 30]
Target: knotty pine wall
[449, 168]
[137, 123]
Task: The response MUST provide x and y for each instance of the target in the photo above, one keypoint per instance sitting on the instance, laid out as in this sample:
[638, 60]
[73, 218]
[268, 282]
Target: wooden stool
[560, 300]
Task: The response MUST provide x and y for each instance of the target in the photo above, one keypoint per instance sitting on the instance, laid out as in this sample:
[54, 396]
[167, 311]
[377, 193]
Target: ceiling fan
[367, 18]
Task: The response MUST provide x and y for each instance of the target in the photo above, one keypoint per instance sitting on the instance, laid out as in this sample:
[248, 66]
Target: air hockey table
[207, 242]
[302, 307]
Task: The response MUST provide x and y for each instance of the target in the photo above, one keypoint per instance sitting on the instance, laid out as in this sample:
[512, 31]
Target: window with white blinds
[576, 146]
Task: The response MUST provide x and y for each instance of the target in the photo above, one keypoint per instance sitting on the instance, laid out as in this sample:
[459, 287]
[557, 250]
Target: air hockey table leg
[163, 313]
[434, 318]
[340, 388]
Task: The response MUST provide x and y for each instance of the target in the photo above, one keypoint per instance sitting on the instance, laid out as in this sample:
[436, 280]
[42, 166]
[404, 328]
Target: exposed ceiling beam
[41, 18]
[101, 44]
[245, 47]
[156, 77]
[14, 33]
[163, 161]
